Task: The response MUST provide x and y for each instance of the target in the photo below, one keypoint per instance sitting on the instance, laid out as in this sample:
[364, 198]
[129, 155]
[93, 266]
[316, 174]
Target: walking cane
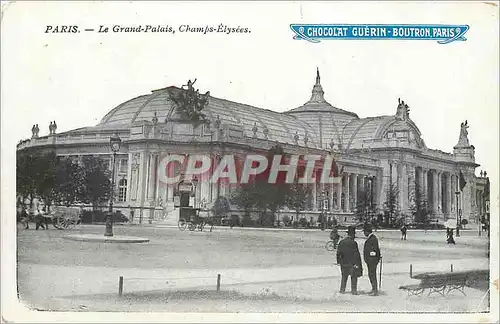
[380, 276]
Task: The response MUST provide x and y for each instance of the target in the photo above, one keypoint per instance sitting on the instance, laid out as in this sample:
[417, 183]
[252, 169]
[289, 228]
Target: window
[122, 190]
[106, 163]
[123, 165]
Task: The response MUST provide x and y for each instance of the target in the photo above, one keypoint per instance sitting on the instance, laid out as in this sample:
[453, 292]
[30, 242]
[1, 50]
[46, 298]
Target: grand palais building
[373, 151]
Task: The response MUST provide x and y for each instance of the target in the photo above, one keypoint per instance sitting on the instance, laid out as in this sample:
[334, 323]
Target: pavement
[161, 224]
[62, 287]
[56, 282]
[105, 239]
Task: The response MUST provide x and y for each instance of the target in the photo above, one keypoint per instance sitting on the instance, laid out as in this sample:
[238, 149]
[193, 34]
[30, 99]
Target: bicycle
[332, 245]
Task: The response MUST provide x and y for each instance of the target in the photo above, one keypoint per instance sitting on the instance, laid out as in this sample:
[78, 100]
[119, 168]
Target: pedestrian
[450, 239]
[334, 236]
[39, 219]
[25, 218]
[403, 232]
[349, 259]
[371, 255]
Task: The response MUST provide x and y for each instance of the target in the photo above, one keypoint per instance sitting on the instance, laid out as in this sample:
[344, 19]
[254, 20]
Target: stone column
[425, 187]
[330, 197]
[453, 197]
[152, 185]
[435, 186]
[214, 191]
[411, 177]
[129, 177]
[347, 198]
[394, 173]
[402, 194]
[152, 169]
[421, 182]
[321, 190]
[440, 192]
[205, 189]
[339, 194]
[354, 191]
[449, 194]
[142, 188]
[314, 197]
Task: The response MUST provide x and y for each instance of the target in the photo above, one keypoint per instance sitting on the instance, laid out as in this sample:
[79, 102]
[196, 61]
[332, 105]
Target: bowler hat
[351, 230]
[367, 228]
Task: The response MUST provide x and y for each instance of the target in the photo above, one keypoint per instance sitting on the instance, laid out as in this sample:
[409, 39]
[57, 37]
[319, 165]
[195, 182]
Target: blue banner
[443, 34]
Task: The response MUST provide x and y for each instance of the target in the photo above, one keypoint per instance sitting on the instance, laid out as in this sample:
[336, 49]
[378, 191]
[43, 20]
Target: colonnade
[344, 196]
[437, 188]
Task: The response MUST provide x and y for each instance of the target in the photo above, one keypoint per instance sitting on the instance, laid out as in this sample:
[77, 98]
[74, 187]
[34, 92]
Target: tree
[391, 210]
[419, 208]
[221, 206]
[28, 174]
[296, 198]
[365, 208]
[94, 181]
[46, 188]
[263, 195]
[36, 176]
[68, 181]
[244, 198]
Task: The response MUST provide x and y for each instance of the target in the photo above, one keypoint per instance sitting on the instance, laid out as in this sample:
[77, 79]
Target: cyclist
[334, 236]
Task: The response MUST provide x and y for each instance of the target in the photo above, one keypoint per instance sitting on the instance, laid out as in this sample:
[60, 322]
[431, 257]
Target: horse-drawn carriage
[65, 217]
[194, 218]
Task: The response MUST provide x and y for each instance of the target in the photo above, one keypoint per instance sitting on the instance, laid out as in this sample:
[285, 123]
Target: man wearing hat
[349, 259]
[371, 255]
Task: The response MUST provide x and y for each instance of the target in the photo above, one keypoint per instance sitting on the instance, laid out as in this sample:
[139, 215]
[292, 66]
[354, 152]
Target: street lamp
[195, 183]
[457, 193]
[115, 142]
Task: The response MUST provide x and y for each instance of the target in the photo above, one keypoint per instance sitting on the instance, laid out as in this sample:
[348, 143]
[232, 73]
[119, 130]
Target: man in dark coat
[349, 259]
[25, 218]
[403, 232]
[371, 255]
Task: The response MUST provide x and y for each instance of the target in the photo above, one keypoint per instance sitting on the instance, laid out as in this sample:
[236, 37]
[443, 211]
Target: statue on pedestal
[34, 131]
[463, 140]
[52, 127]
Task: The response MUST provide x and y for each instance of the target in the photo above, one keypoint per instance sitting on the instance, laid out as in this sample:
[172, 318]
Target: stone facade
[371, 152]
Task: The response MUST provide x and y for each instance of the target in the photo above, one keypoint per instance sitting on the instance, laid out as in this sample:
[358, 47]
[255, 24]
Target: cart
[65, 217]
[190, 218]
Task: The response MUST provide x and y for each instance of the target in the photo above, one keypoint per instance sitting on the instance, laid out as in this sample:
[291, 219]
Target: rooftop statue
[463, 140]
[403, 110]
[189, 101]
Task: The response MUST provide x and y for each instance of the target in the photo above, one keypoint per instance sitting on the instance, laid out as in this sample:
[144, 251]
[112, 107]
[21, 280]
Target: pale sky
[76, 79]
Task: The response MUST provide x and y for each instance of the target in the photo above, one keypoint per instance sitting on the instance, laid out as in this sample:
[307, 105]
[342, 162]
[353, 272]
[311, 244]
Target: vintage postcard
[250, 161]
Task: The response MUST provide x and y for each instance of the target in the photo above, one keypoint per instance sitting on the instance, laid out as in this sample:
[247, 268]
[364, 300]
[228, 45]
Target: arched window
[122, 190]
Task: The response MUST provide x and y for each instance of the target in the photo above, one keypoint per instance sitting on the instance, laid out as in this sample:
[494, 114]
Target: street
[262, 270]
